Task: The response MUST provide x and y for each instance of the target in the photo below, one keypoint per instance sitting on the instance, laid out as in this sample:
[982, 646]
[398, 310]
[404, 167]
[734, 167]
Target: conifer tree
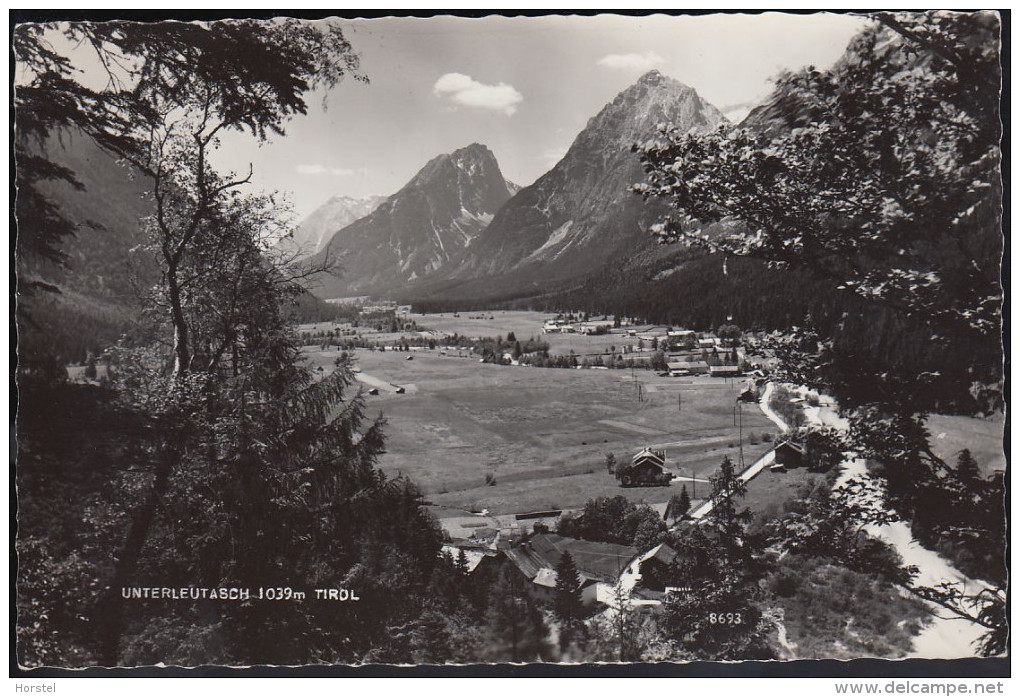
[462, 563]
[967, 469]
[568, 589]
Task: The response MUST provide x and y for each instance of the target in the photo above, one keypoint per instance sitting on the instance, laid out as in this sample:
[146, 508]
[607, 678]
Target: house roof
[545, 577]
[594, 560]
[474, 556]
[724, 368]
[528, 564]
[662, 552]
[648, 454]
[791, 445]
[687, 365]
[646, 457]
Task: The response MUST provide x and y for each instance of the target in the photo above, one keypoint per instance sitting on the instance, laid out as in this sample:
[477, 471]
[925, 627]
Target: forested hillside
[107, 268]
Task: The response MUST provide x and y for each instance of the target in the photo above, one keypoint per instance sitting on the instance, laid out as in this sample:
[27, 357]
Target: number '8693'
[725, 618]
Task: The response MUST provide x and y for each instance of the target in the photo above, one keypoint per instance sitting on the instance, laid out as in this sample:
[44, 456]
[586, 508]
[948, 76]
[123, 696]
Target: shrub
[490, 479]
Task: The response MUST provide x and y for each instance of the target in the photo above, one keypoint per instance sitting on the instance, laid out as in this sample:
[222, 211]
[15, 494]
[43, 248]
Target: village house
[653, 567]
[647, 467]
[477, 556]
[682, 339]
[597, 562]
[643, 580]
[681, 368]
[789, 454]
[724, 371]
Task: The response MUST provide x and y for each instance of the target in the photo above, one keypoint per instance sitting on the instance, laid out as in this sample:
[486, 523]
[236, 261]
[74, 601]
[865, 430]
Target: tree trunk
[110, 615]
[182, 353]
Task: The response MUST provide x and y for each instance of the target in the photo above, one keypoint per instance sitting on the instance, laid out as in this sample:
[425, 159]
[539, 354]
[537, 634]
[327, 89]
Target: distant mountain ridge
[582, 212]
[424, 227]
[108, 265]
[581, 216]
[314, 232]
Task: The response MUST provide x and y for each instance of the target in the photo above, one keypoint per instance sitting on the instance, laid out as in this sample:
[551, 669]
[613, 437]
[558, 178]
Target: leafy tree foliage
[623, 632]
[220, 69]
[229, 463]
[832, 525]
[877, 179]
[725, 518]
[515, 626]
[880, 176]
[679, 506]
[658, 361]
[614, 519]
[717, 613]
[731, 333]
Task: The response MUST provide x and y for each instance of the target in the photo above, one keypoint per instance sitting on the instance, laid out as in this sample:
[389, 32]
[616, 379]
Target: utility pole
[738, 421]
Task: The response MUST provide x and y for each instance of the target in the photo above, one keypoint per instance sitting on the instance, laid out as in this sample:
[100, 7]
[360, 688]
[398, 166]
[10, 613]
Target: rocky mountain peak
[635, 112]
[312, 234]
[423, 227]
[581, 214]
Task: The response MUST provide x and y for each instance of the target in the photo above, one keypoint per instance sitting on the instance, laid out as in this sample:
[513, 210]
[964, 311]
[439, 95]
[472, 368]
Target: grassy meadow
[540, 435]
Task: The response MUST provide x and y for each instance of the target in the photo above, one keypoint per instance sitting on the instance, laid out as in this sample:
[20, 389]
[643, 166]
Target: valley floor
[542, 434]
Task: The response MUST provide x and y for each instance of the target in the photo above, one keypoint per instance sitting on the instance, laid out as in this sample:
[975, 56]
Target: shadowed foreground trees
[240, 468]
[881, 177]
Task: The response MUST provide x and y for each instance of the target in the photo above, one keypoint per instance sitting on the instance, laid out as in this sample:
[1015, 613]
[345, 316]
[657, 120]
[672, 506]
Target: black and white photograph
[510, 341]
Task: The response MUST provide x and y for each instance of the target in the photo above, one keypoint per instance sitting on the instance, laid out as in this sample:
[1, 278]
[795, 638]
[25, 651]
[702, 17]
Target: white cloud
[334, 171]
[631, 61]
[464, 90]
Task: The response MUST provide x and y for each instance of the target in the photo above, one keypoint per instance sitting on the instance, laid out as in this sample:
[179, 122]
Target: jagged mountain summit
[581, 215]
[421, 229]
[315, 231]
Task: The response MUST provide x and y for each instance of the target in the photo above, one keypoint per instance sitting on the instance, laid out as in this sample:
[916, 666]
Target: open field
[520, 322]
[951, 434]
[543, 433]
[767, 492]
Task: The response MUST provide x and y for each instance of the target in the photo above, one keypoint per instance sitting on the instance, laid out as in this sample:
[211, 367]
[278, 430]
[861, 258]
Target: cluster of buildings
[562, 326]
[604, 569]
[369, 307]
[690, 353]
[607, 572]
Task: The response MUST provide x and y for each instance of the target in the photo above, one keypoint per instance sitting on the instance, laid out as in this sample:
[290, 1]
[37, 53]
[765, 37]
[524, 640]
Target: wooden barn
[655, 567]
[789, 454]
[647, 468]
[724, 371]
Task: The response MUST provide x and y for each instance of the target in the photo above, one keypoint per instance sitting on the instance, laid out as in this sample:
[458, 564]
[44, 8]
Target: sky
[524, 87]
